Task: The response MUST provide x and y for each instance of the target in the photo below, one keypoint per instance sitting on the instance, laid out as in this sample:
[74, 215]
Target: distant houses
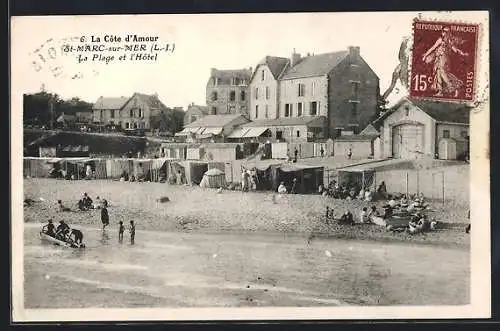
[297, 99]
[227, 91]
[133, 112]
[194, 113]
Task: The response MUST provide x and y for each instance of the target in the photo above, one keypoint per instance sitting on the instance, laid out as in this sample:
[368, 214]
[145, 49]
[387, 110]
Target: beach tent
[213, 178]
[308, 177]
[115, 167]
[266, 172]
[359, 176]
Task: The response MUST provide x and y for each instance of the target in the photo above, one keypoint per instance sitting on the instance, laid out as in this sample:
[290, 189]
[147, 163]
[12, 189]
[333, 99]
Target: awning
[297, 167]
[214, 131]
[187, 131]
[255, 132]
[239, 133]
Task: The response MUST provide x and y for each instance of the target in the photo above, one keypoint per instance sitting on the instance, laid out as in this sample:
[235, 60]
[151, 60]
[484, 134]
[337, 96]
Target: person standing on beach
[121, 229]
[132, 232]
[104, 215]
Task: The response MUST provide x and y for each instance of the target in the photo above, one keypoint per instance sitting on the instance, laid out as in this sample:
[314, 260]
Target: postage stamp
[444, 62]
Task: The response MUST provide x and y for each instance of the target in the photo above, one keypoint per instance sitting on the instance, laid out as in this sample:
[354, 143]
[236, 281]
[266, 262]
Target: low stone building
[416, 128]
[194, 113]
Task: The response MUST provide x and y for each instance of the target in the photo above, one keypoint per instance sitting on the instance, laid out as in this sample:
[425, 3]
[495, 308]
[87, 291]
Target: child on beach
[132, 232]
[121, 229]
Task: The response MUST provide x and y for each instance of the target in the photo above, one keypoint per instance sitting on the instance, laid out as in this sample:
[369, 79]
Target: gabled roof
[226, 76]
[152, 101]
[214, 121]
[110, 103]
[439, 110]
[275, 64]
[315, 65]
[202, 109]
[286, 121]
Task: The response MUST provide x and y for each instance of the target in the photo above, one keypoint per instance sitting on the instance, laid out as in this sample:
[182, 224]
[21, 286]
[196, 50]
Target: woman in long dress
[443, 80]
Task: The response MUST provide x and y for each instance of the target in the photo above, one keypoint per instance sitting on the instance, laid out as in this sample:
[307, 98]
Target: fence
[439, 184]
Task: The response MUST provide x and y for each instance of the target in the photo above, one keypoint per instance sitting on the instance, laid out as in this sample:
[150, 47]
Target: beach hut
[213, 178]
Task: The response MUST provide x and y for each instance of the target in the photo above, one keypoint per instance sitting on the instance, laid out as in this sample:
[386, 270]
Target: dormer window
[263, 75]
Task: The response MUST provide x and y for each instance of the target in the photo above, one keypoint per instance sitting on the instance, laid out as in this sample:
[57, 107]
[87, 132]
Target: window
[302, 88]
[243, 96]
[256, 111]
[102, 113]
[279, 135]
[131, 113]
[214, 96]
[112, 113]
[135, 125]
[464, 134]
[267, 111]
[193, 118]
[299, 109]
[355, 88]
[298, 133]
[354, 110]
[214, 110]
[313, 88]
[236, 81]
[314, 108]
[263, 75]
[288, 110]
[353, 127]
[267, 92]
[256, 93]
[232, 96]
[127, 125]
[141, 113]
[446, 133]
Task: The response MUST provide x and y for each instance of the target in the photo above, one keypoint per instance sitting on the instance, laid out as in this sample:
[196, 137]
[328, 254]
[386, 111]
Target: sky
[223, 41]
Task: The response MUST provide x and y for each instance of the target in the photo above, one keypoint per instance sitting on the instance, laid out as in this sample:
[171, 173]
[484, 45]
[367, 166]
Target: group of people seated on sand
[396, 217]
[85, 203]
[351, 191]
[63, 232]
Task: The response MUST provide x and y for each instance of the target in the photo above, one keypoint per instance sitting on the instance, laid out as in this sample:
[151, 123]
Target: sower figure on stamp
[443, 80]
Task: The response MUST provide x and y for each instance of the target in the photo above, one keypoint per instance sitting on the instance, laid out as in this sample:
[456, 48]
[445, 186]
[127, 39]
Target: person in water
[62, 230]
[104, 216]
[121, 229]
[49, 228]
[132, 232]
[76, 236]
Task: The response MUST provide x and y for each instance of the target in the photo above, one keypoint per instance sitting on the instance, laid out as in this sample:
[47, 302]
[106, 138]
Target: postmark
[444, 60]
[50, 57]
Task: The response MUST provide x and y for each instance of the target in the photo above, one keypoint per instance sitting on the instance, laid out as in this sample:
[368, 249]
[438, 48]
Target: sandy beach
[193, 209]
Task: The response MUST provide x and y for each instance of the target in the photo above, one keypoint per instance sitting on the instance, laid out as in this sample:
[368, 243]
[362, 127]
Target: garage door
[407, 141]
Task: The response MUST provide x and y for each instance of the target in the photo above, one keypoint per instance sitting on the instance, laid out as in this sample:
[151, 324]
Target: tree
[41, 108]
[169, 120]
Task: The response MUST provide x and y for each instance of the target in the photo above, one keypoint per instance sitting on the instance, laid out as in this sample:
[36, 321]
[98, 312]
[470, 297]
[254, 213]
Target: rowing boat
[58, 242]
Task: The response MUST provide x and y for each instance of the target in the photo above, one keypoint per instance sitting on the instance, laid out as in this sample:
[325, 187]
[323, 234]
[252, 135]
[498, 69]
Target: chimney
[294, 59]
[213, 71]
[354, 52]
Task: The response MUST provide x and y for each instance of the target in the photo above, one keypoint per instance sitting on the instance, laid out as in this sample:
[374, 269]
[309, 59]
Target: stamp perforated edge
[471, 103]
